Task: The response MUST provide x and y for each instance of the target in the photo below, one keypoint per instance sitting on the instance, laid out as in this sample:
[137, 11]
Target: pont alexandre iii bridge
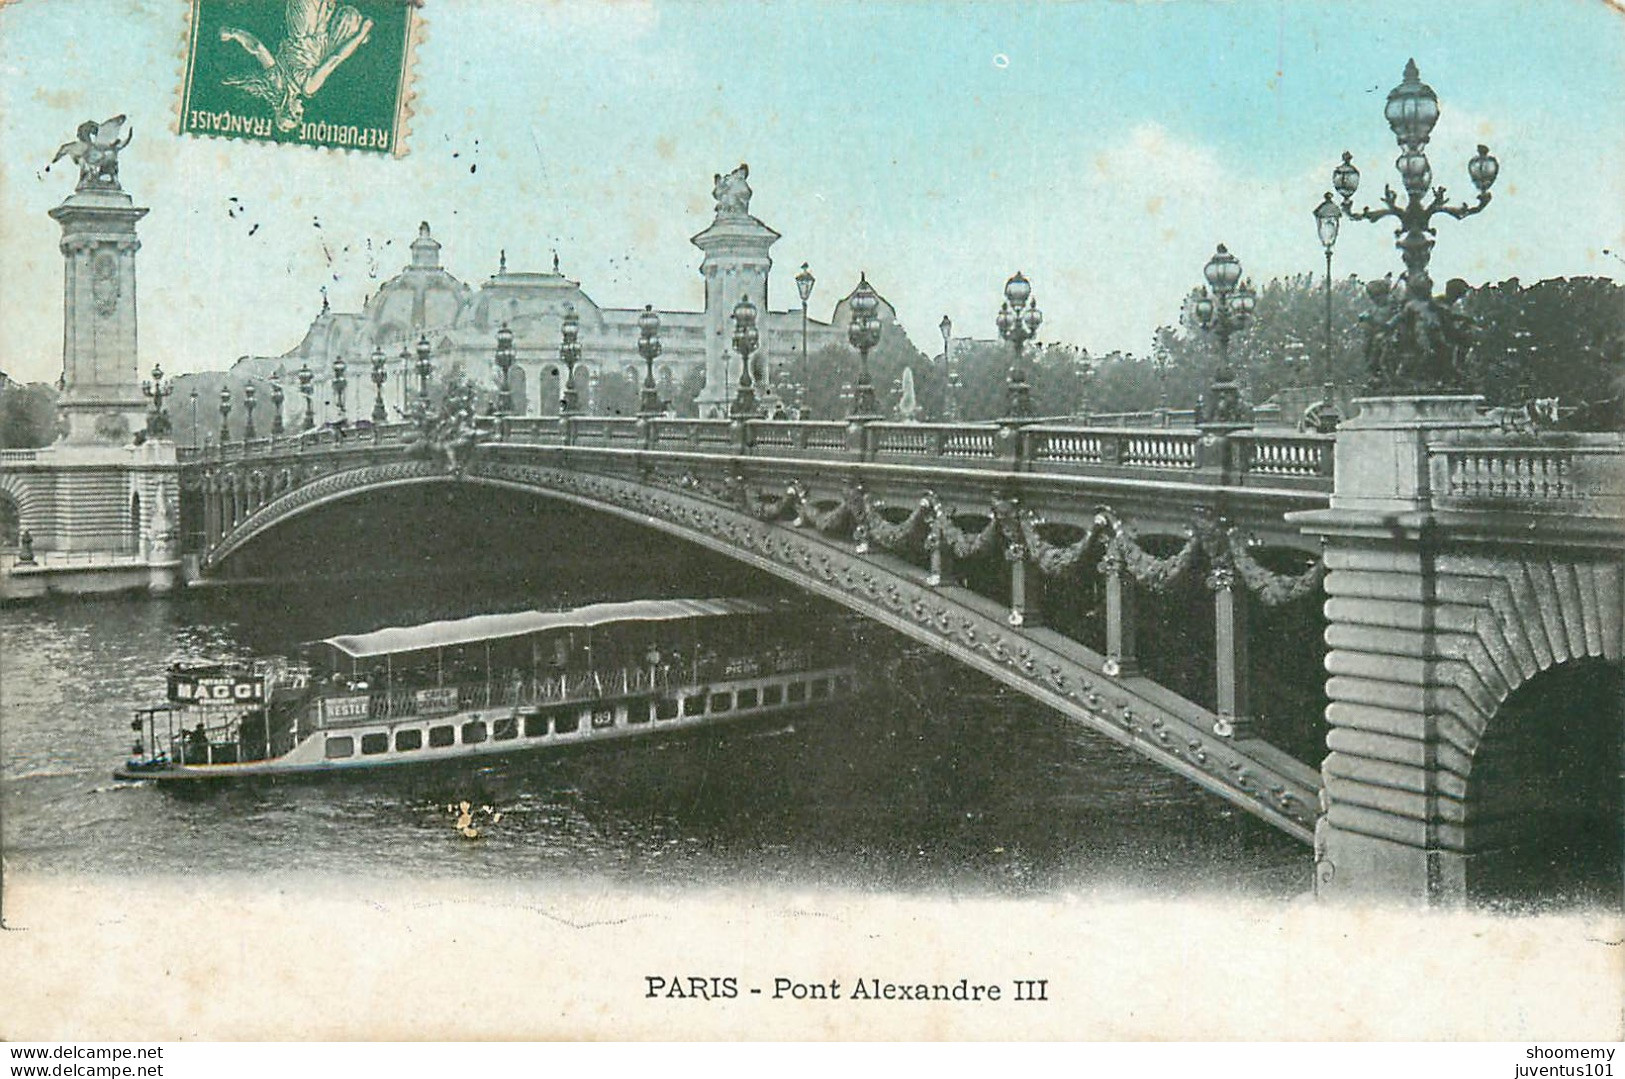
[1466, 583]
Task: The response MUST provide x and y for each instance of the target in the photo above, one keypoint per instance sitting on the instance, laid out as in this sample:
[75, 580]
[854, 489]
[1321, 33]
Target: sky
[1103, 148]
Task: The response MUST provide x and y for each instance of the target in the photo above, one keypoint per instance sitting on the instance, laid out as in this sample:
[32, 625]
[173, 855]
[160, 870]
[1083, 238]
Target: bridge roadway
[807, 502]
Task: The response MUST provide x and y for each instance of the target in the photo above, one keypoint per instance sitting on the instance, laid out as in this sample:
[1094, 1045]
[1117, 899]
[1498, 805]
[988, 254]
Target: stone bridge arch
[1047, 666]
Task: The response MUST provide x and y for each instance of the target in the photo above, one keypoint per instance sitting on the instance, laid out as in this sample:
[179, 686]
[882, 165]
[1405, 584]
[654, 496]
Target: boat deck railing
[525, 691]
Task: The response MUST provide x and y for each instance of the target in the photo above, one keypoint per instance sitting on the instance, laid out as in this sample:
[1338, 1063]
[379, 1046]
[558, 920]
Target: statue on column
[96, 152]
[732, 191]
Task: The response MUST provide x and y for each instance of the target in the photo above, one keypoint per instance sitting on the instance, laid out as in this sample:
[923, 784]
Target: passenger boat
[489, 686]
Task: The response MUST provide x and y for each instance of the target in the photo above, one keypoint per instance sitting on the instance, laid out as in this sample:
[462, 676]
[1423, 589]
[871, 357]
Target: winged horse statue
[321, 36]
[95, 151]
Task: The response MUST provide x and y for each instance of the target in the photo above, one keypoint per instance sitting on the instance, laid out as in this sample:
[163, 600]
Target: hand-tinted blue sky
[1103, 148]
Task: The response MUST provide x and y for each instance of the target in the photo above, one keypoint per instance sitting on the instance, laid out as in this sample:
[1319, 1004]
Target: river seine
[938, 782]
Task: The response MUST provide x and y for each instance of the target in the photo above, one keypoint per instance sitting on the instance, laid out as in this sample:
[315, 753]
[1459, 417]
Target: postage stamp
[312, 72]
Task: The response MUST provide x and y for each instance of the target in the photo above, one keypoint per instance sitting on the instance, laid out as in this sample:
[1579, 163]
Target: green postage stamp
[312, 72]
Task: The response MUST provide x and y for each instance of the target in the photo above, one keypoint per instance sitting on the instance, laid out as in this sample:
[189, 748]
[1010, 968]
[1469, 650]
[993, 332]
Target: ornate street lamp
[804, 287]
[746, 338]
[225, 413]
[504, 360]
[949, 373]
[864, 333]
[277, 397]
[569, 356]
[1228, 309]
[1018, 322]
[649, 347]
[307, 385]
[340, 384]
[425, 368]
[155, 391]
[380, 414]
[1418, 338]
[249, 393]
[1327, 219]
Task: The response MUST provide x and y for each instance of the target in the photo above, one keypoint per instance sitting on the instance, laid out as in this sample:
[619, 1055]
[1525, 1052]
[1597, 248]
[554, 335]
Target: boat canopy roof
[489, 627]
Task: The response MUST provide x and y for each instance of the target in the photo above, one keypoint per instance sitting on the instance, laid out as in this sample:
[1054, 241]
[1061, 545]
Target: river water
[937, 783]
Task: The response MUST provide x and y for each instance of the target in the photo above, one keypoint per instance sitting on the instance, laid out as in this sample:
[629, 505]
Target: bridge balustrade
[1572, 475]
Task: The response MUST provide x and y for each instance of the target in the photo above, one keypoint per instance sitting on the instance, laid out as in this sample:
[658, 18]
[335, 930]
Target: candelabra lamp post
[804, 287]
[1227, 309]
[425, 368]
[1018, 322]
[340, 384]
[225, 413]
[569, 356]
[1418, 338]
[950, 404]
[505, 359]
[649, 347]
[1327, 219]
[864, 333]
[307, 386]
[746, 338]
[249, 393]
[155, 391]
[380, 414]
[277, 397]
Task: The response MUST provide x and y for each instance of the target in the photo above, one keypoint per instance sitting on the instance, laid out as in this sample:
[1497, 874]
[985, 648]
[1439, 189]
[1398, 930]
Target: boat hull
[489, 736]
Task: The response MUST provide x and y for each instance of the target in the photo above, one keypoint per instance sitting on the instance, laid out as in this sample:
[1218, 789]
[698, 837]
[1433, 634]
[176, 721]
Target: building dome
[422, 298]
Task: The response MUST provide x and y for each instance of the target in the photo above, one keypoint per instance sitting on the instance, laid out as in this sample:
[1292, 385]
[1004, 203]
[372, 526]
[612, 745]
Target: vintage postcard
[792, 520]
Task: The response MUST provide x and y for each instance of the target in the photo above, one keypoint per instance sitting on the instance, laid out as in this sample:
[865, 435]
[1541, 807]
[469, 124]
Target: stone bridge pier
[1474, 601]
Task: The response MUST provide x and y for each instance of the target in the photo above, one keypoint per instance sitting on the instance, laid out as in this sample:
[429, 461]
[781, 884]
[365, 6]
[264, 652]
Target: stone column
[1231, 659]
[1122, 614]
[101, 398]
[736, 264]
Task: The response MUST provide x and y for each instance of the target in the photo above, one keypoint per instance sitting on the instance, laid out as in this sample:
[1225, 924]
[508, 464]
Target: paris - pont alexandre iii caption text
[730, 987]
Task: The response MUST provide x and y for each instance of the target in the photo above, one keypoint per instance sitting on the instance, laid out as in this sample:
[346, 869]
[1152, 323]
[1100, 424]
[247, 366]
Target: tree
[27, 415]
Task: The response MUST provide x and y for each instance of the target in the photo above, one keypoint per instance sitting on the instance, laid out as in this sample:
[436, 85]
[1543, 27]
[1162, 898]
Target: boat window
[748, 698]
[536, 726]
[505, 728]
[408, 740]
[440, 737]
[340, 747]
[473, 732]
[377, 742]
[694, 706]
[666, 708]
[638, 711]
[567, 723]
[721, 702]
[820, 688]
[772, 695]
[798, 692]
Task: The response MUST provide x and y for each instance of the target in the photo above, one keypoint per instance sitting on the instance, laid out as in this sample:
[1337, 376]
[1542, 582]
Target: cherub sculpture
[732, 191]
[321, 36]
[96, 150]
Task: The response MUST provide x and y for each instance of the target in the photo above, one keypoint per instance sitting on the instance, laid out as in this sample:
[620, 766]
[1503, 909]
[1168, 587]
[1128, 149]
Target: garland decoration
[838, 518]
[1150, 572]
[962, 544]
[1274, 589]
[901, 536]
[766, 507]
[1053, 559]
